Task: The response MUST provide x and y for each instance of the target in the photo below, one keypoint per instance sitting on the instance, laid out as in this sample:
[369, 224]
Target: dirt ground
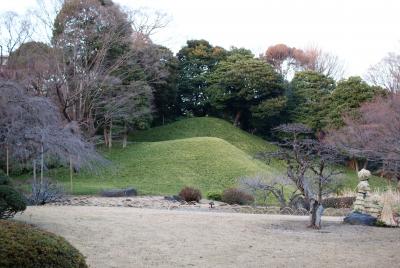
[133, 237]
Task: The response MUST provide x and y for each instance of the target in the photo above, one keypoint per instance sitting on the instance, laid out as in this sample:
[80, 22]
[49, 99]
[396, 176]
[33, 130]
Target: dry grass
[392, 197]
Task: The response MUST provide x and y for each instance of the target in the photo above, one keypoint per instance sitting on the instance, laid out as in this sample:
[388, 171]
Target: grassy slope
[208, 153]
[205, 127]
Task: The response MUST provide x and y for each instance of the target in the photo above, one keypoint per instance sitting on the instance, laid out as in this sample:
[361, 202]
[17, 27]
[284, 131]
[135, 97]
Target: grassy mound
[167, 166]
[25, 246]
[205, 127]
[206, 153]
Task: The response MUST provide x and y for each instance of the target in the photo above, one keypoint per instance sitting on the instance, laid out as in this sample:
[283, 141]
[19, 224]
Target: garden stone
[357, 218]
[119, 192]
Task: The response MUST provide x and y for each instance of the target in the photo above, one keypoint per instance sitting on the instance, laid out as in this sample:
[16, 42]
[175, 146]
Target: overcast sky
[360, 32]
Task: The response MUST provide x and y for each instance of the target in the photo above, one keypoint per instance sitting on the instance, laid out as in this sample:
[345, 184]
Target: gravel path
[132, 237]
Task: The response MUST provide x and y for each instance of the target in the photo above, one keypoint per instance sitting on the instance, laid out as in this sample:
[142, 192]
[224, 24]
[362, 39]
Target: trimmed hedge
[339, 202]
[11, 202]
[216, 196]
[23, 245]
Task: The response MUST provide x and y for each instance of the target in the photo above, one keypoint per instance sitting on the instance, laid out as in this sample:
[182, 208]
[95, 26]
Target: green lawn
[165, 167]
[205, 127]
[207, 153]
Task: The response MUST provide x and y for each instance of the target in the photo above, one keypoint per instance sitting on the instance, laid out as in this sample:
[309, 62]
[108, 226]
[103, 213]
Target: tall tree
[287, 60]
[386, 73]
[196, 60]
[347, 97]
[31, 128]
[32, 65]
[373, 134]
[307, 98]
[245, 89]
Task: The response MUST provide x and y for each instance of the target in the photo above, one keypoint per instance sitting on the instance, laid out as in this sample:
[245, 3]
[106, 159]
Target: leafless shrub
[260, 186]
[237, 196]
[45, 191]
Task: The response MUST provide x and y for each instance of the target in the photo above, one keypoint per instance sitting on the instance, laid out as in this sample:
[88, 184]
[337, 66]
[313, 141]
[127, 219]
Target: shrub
[11, 202]
[236, 196]
[338, 202]
[190, 194]
[22, 245]
[45, 192]
[4, 179]
[217, 196]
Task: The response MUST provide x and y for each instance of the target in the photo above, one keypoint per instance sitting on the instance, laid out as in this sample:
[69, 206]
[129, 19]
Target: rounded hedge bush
[11, 202]
[216, 196]
[22, 245]
[190, 194]
[237, 196]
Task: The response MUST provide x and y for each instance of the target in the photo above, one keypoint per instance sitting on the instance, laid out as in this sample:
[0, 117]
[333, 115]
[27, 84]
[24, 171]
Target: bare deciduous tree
[374, 134]
[290, 59]
[15, 30]
[308, 165]
[386, 73]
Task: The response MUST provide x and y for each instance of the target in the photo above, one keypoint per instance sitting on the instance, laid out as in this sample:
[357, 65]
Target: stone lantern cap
[364, 174]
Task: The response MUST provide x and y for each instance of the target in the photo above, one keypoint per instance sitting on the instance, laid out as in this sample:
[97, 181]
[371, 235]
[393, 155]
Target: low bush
[11, 202]
[338, 202]
[4, 179]
[216, 196]
[190, 194]
[22, 245]
[44, 192]
[236, 196]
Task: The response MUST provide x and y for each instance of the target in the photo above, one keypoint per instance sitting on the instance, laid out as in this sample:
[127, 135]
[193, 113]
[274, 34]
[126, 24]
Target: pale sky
[360, 32]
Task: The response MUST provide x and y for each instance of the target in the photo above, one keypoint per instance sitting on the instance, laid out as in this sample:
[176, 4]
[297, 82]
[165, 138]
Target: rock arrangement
[170, 203]
[364, 203]
[366, 211]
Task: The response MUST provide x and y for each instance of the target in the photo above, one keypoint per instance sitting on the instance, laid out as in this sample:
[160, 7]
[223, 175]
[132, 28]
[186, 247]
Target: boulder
[357, 218]
[119, 192]
[173, 198]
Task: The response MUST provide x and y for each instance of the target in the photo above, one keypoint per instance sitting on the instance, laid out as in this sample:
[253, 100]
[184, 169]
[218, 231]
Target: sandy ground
[132, 237]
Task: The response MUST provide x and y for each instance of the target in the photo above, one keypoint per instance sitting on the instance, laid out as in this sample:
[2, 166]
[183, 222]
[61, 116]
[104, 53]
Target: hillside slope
[207, 153]
[167, 166]
[204, 127]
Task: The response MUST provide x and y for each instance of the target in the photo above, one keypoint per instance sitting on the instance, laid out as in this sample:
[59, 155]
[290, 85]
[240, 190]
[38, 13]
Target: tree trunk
[237, 119]
[71, 171]
[34, 172]
[7, 162]
[398, 185]
[110, 135]
[41, 164]
[316, 214]
[105, 136]
[125, 138]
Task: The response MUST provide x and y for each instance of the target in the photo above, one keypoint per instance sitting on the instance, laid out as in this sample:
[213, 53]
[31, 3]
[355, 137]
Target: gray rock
[357, 218]
[119, 192]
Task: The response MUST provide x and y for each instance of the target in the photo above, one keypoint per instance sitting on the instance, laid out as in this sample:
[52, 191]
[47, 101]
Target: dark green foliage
[348, 95]
[196, 60]
[190, 194]
[307, 98]
[236, 196]
[4, 179]
[11, 202]
[246, 89]
[217, 196]
[25, 246]
[338, 202]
